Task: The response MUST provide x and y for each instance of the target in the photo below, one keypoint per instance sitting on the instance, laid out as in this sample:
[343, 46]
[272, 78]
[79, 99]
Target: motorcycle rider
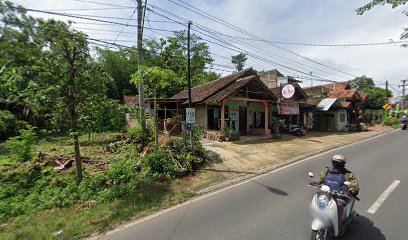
[335, 177]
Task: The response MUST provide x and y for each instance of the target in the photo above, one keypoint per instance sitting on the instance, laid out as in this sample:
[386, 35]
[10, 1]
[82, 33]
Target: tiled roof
[222, 87]
[257, 89]
[298, 89]
[351, 94]
[345, 104]
[131, 101]
[338, 86]
[324, 89]
[204, 91]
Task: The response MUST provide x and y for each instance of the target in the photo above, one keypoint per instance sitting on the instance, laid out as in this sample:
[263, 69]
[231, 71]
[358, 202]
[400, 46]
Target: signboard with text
[288, 108]
[288, 91]
[190, 115]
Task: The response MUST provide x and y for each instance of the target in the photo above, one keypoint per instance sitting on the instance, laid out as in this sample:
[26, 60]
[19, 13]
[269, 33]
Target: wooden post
[266, 118]
[222, 115]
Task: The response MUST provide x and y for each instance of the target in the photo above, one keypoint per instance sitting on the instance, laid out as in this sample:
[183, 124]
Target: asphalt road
[276, 206]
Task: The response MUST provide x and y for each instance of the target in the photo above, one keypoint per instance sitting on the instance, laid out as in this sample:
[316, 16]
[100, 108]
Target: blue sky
[302, 21]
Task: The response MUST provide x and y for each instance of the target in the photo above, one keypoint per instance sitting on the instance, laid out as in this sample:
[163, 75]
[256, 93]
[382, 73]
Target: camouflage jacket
[354, 187]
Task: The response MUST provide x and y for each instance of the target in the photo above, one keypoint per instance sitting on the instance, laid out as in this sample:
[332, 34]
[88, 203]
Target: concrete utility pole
[189, 90]
[139, 62]
[188, 64]
[386, 91]
[403, 94]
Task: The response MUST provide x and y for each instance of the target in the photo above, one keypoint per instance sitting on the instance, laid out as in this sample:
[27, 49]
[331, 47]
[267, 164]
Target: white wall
[341, 115]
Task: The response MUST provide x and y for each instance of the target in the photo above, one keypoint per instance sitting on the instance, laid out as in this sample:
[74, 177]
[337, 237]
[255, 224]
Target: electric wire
[216, 19]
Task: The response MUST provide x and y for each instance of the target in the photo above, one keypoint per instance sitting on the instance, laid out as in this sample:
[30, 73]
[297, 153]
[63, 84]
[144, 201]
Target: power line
[237, 49]
[99, 3]
[86, 9]
[216, 19]
[123, 28]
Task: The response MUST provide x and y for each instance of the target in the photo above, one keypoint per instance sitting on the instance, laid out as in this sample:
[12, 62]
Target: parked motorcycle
[324, 210]
[404, 122]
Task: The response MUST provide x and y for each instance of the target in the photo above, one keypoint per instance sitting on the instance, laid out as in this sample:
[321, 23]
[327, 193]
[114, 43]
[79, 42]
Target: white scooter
[324, 211]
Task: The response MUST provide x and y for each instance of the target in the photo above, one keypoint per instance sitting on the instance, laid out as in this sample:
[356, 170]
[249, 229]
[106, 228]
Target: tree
[155, 79]
[393, 3]
[373, 3]
[119, 65]
[70, 50]
[377, 96]
[362, 82]
[239, 61]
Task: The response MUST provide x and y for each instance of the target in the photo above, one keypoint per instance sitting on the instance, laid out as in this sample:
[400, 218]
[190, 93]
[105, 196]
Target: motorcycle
[324, 210]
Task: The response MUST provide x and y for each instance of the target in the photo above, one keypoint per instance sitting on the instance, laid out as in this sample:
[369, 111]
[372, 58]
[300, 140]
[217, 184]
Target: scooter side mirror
[311, 174]
[347, 183]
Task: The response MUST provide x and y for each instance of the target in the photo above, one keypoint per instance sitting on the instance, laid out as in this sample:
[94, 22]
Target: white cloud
[319, 21]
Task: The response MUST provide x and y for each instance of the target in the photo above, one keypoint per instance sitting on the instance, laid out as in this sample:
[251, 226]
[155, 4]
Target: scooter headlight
[322, 201]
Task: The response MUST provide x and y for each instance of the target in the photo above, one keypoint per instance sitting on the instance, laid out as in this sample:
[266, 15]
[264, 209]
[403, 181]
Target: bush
[158, 162]
[137, 134]
[9, 125]
[391, 121]
[21, 146]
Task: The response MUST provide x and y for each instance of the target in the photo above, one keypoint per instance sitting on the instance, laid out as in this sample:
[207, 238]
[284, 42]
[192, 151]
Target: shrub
[137, 134]
[158, 162]
[9, 125]
[391, 121]
[21, 146]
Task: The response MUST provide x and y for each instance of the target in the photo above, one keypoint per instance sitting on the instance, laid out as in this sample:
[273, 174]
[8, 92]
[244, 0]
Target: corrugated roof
[325, 104]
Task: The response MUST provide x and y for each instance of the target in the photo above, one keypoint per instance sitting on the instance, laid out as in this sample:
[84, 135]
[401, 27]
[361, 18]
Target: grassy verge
[82, 220]
[37, 201]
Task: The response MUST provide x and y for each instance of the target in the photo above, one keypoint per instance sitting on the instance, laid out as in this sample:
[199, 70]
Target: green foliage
[9, 125]
[137, 134]
[158, 162]
[27, 189]
[377, 96]
[21, 146]
[373, 3]
[119, 65]
[239, 61]
[392, 121]
[362, 82]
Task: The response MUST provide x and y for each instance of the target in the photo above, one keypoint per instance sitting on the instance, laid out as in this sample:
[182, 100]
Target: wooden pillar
[266, 118]
[222, 115]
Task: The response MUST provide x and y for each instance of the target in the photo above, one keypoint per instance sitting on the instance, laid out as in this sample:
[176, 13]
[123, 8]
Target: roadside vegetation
[69, 166]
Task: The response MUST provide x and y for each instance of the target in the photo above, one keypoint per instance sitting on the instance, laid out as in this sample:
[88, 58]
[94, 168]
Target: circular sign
[288, 91]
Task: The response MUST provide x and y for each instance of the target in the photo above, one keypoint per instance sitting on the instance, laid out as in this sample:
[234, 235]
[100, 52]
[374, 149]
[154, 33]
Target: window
[342, 117]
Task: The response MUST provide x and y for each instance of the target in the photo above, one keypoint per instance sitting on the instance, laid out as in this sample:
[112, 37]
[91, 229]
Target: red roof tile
[351, 94]
[131, 101]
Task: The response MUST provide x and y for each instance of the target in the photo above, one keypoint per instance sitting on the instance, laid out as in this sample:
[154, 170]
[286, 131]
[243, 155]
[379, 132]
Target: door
[243, 120]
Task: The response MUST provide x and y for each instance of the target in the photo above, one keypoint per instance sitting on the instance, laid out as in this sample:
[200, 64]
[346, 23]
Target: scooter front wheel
[320, 235]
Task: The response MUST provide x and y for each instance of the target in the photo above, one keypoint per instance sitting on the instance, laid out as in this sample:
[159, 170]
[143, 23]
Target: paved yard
[234, 161]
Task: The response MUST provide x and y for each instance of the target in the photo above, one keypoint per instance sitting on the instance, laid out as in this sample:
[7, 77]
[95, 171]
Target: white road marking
[383, 197]
[206, 195]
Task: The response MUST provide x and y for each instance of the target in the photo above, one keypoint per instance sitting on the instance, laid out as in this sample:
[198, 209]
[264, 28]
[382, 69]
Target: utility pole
[403, 95]
[386, 91]
[189, 90]
[139, 62]
[188, 64]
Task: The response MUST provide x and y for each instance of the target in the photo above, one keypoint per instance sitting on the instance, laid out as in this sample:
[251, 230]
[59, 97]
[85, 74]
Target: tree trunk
[72, 102]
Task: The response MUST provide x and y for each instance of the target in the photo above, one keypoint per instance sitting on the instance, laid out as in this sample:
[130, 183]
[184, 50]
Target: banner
[288, 108]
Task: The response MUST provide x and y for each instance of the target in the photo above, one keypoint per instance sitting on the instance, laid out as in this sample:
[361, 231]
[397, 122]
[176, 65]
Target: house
[338, 111]
[323, 90]
[240, 100]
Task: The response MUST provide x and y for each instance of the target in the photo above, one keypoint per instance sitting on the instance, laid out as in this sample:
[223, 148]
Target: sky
[284, 21]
